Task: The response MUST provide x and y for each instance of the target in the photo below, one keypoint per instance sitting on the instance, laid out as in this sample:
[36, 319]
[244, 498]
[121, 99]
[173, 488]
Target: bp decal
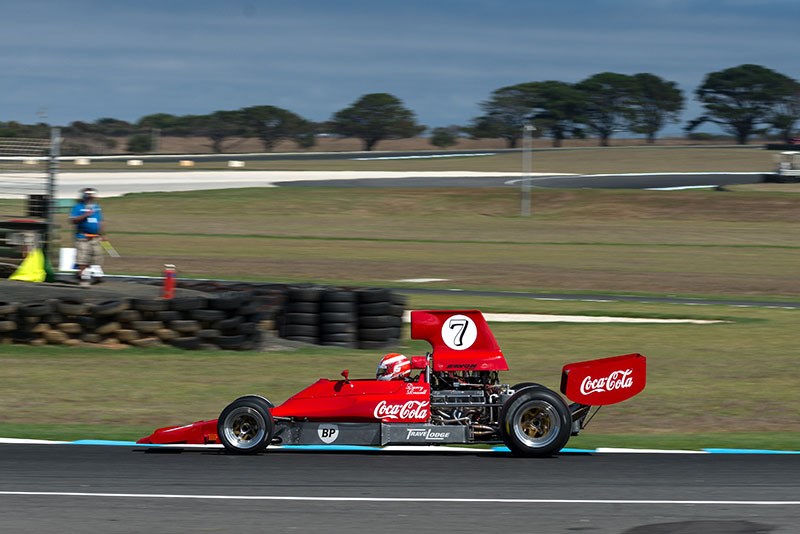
[328, 432]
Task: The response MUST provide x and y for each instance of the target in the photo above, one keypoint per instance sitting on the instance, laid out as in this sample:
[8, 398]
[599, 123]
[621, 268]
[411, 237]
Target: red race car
[451, 395]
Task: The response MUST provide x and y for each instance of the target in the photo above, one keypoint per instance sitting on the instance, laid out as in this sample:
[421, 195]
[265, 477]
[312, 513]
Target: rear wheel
[245, 426]
[535, 421]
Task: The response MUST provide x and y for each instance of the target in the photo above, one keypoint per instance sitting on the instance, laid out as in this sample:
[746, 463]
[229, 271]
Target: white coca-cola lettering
[409, 410]
[615, 380]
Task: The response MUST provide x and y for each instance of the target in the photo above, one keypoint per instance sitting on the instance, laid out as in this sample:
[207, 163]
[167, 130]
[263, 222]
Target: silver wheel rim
[244, 428]
[536, 424]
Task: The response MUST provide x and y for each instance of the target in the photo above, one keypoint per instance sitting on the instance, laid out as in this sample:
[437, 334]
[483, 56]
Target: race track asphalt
[79, 488]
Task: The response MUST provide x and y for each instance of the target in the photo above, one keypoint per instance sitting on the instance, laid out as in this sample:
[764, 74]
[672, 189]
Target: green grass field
[724, 385]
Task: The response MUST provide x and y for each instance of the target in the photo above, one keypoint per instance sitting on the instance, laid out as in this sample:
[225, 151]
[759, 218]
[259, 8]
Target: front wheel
[535, 421]
[245, 426]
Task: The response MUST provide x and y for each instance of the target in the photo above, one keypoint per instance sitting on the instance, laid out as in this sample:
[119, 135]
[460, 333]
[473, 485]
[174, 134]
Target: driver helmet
[88, 193]
[393, 366]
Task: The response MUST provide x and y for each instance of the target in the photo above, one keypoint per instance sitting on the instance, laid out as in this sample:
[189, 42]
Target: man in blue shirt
[87, 216]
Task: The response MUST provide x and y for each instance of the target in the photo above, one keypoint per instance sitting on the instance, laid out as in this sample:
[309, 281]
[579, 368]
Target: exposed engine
[470, 398]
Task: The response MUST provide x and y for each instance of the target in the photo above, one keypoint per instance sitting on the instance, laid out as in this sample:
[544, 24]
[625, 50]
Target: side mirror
[419, 362]
[346, 375]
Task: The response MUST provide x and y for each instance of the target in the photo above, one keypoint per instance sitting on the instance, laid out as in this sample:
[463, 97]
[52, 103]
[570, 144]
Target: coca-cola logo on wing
[615, 380]
[409, 410]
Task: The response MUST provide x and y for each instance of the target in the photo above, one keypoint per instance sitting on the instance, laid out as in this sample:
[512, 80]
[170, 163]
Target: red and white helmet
[393, 366]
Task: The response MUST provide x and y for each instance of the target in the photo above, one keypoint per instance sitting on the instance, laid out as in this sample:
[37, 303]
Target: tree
[653, 102]
[376, 117]
[785, 114]
[743, 99]
[557, 109]
[273, 124]
[505, 113]
[218, 126]
[606, 99]
[554, 107]
[444, 137]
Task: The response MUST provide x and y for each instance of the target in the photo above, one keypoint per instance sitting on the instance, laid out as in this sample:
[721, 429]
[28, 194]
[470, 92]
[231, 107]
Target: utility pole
[527, 165]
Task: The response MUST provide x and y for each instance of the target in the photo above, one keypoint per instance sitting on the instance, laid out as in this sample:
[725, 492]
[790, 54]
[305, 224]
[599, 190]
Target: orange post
[170, 281]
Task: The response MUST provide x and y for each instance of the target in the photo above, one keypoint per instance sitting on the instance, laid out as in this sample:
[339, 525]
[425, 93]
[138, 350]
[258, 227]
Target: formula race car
[451, 395]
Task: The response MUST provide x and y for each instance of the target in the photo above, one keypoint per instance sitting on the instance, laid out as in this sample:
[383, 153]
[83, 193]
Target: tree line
[742, 101]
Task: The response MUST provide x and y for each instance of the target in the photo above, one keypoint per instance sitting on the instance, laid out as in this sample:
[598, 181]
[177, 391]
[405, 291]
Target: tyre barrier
[363, 318]
[229, 320]
[223, 315]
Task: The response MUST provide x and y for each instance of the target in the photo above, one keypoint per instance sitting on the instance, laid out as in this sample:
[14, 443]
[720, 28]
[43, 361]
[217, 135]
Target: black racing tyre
[310, 319]
[338, 328]
[521, 385]
[86, 322]
[375, 334]
[72, 306]
[150, 305]
[535, 422]
[231, 323]
[181, 304]
[301, 330]
[165, 334]
[53, 318]
[108, 308]
[247, 328]
[107, 328]
[376, 321]
[249, 308]
[334, 295]
[128, 316]
[399, 300]
[91, 338]
[185, 326]
[207, 315]
[375, 308]
[369, 295]
[302, 307]
[35, 309]
[305, 294]
[227, 301]
[7, 308]
[338, 307]
[339, 337]
[208, 334]
[246, 426]
[338, 317]
[147, 327]
[168, 315]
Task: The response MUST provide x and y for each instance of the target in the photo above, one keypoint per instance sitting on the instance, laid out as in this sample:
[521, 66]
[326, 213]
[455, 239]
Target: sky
[81, 60]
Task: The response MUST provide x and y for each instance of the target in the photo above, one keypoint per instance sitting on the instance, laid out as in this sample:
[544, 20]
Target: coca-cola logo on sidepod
[409, 410]
[615, 380]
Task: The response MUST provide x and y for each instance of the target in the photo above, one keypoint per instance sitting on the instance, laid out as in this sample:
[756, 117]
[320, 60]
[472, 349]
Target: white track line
[392, 499]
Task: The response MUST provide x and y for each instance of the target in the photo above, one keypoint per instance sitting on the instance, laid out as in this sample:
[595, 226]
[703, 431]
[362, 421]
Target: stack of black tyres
[300, 316]
[380, 318]
[338, 318]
